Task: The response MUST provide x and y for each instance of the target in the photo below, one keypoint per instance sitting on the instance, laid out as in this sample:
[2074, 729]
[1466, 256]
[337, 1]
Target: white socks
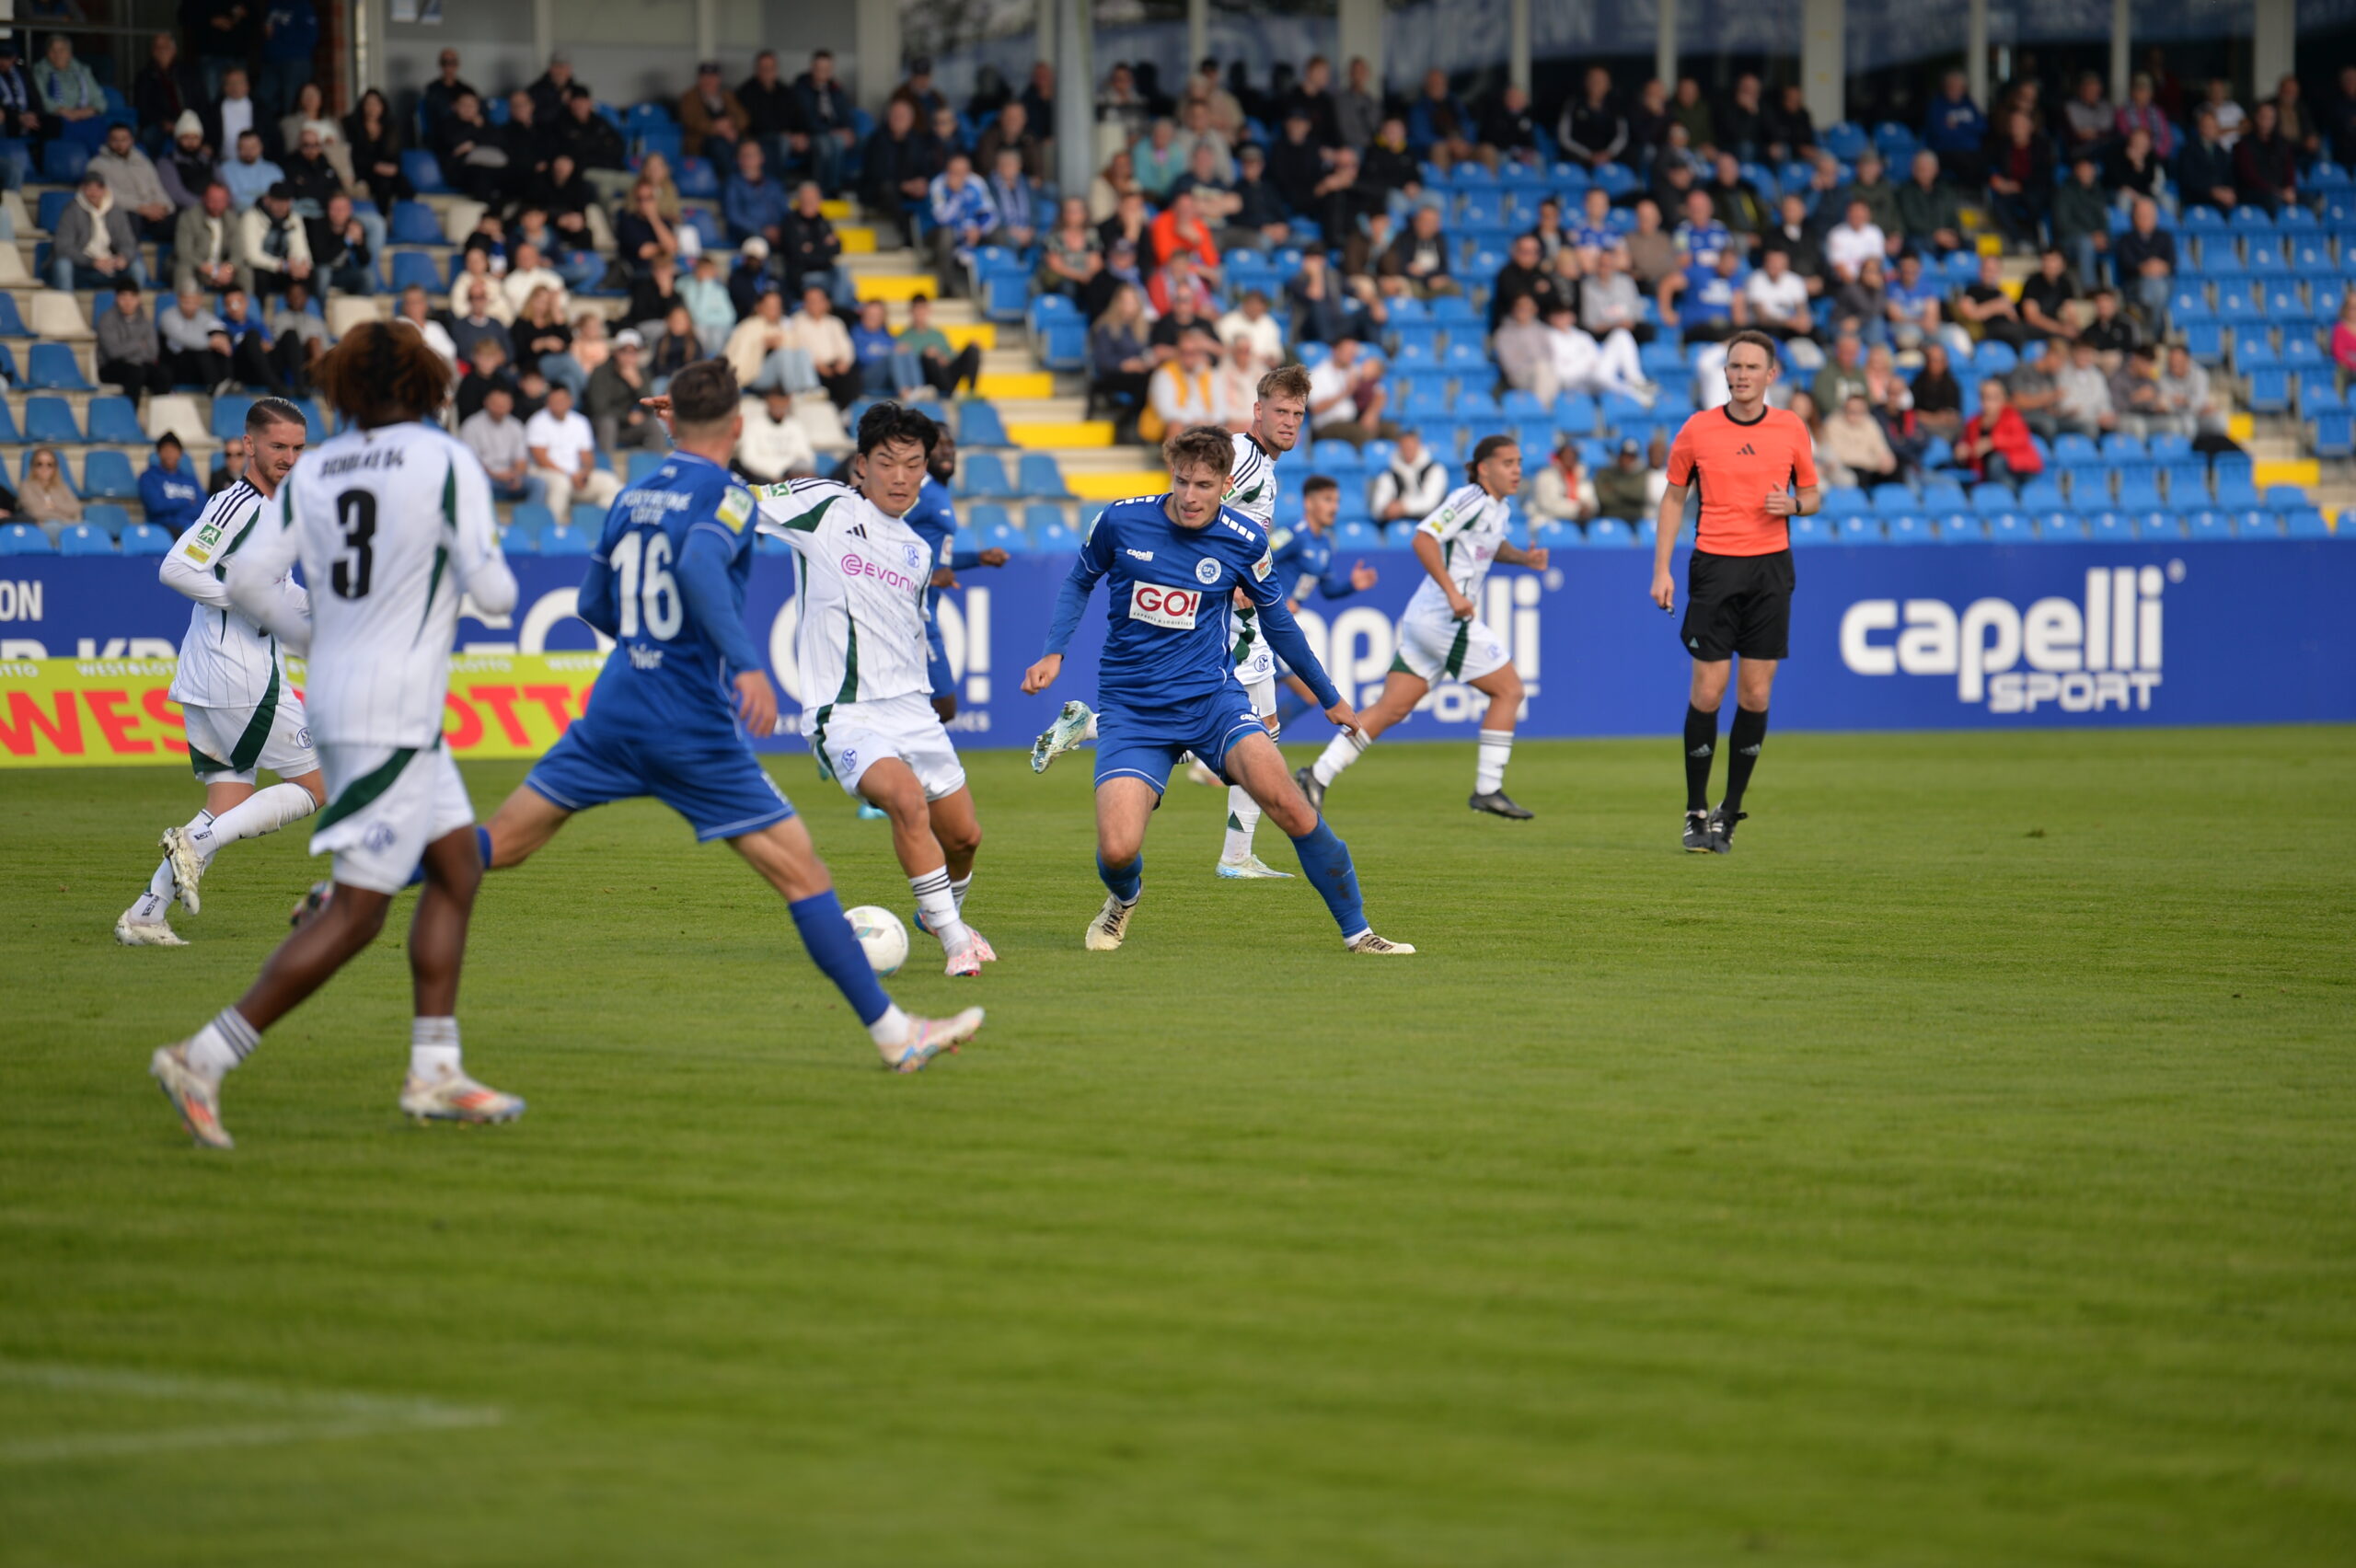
[957, 891]
[1242, 822]
[222, 1043]
[890, 1032]
[1345, 749]
[432, 1047]
[938, 905]
[265, 810]
[1496, 745]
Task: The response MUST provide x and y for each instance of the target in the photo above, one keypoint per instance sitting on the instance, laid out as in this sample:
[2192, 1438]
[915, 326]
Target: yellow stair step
[2303, 471]
[896, 286]
[2240, 427]
[836, 209]
[983, 335]
[1117, 486]
[857, 241]
[1017, 384]
[1072, 433]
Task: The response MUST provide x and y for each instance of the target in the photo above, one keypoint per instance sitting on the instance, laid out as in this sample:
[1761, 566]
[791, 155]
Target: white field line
[290, 1415]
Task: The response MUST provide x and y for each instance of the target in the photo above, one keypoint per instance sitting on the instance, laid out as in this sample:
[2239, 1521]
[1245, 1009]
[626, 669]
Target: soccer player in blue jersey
[667, 583]
[934, 517]
[1166, 683]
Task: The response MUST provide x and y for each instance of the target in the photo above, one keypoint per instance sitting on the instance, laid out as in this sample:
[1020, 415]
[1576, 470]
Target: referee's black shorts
[1737, 605]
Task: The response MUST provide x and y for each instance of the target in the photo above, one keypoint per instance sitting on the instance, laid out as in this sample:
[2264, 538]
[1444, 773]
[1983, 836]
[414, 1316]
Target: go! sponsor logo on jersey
[1160, 605]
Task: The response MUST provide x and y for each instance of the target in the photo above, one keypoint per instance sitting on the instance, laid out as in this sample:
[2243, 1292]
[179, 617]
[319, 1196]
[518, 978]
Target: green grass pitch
[1959, 1174]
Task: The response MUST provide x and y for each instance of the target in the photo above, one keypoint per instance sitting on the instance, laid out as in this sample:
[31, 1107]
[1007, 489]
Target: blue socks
[834, 949]
[1126, 884]
[1325, 862]
[482, 847]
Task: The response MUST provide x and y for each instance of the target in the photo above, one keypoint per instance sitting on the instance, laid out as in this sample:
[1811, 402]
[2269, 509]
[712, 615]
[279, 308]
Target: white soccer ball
[880, 932]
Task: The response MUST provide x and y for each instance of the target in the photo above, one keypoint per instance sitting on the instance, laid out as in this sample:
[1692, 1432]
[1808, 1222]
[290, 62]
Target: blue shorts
[714, 781]
[937, 661]
[1145, 742]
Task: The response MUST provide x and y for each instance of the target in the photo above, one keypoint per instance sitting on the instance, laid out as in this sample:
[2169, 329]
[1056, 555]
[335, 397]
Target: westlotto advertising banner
[1917, 637]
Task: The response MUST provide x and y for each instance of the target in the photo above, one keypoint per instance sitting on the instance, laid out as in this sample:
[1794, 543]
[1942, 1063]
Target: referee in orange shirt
[1756, 467]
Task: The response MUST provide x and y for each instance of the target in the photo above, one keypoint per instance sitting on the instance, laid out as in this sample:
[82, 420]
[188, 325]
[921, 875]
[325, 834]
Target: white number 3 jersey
[394, 527]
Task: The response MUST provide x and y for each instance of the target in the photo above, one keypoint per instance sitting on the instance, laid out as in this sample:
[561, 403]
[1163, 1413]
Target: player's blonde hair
[1285, 381]
[1200, 446]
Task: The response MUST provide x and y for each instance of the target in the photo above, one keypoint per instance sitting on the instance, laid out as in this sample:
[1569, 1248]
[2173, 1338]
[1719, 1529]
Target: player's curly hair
[1204, 446]
[383, 374]
[888, 423]
[1285, 381]
[1488, 447]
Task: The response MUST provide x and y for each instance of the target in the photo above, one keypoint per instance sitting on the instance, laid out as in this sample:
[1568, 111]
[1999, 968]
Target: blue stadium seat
[978, 424]
[1846, 500]
[2111, 529]
[2307, 523]
[1612, 531]
[106, 515]
[50, 419]
[62, 163]
[531, 518]
[2159, 526]
[1040, 514]
[24, 539]
[1357, 535]
[642, 465]
[2140, 494]
[116, 420]
[424, 170]
[2188, 482]
[2061, 526]
[2209, 527]
[2042, 493]
[229, 411]
[1988, 500]
[1860, 529]
[414, 223]
[980, 475]
[52, 367]
[1553, 535]
[2335, 433]
[1942, 495]
[561, 540]
[588, 520]
[414, 268]
[513, 541]
[1963, 528]
[1909, 530]
[85, 539]
[2284, 497]
[147, 539]
[1806, 532]
[1038, 473]
[1053, 538]
[11, 324]
[107, 475]
[984, 517]
[2234, 490]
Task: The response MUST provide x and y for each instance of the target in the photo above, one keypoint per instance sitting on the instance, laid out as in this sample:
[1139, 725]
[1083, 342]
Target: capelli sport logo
[2090, 656]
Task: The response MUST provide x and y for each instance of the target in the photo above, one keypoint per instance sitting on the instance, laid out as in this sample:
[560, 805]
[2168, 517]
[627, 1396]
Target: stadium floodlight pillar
[543, 32]
[1665, 43]
[707, 29]
[1198, 31]
[876, 34]
[1075, 97]
[2274, 45]
[1517, 49]
[1359, 36]
[2122, 47]
[1823, 29]
[1975, 50]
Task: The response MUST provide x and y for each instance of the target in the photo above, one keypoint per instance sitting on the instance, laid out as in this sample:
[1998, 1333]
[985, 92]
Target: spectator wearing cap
[95, 244]
[613, 402]
[169, 491]
[764, 353]
[564, 455]
[272, 242]
[774, 447]
[20, 111]
[1622, 487]
[754, 274]
[249, 174]
[188, 166]
[711, 120]
[964, 219]
[130, 356]
[134, 183]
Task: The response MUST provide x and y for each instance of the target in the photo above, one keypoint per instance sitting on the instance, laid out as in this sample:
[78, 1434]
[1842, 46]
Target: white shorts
[1260, 664]
[1263, 693]
[226, 746]
[1437, 648]
[857, 734]
[384, 805]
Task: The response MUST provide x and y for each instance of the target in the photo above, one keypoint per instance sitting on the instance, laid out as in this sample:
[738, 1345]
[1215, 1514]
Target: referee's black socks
[1701, 746]
[1750, 734]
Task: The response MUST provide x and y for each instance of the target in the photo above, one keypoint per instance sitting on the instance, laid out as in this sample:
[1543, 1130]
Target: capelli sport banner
[119, 712]
[1929, 637]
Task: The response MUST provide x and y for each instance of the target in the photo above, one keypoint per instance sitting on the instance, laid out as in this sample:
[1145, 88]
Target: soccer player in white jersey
[392, 523]
[1441, 636]
[241, 710]
[863, 577]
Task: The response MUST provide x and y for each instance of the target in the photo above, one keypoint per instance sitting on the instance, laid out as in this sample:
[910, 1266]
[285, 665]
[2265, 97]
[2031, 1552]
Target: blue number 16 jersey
[668, 670]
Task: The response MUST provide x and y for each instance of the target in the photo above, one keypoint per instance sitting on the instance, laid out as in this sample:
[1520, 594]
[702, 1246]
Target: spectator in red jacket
[1995, 444]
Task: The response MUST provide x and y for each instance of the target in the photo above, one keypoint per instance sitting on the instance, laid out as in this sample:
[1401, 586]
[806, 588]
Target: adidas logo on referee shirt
[1746, 450]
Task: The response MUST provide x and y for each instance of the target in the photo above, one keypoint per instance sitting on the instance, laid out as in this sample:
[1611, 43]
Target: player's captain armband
[1265, 565]
[737, 508]
[1162, 605]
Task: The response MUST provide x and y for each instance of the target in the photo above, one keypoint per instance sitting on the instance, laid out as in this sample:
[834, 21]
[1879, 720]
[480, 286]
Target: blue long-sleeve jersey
[667, 583]
[1168, 623]
[1304, 557]
[934, 517]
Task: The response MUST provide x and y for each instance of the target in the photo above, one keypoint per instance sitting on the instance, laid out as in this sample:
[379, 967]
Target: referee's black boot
[1697, 833]
[1722, 829]
[1497, 802]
